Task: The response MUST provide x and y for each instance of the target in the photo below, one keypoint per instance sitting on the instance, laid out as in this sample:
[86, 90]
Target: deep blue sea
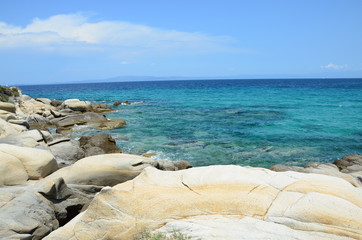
[244, 122]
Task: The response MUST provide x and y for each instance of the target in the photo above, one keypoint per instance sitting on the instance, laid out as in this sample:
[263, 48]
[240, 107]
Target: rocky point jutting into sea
[57, 187]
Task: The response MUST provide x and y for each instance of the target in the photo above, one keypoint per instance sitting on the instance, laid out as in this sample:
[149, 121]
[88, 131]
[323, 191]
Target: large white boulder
[215, 202]
[29, 138]
[26, 105]
[104, 170]
[18, 164]
[77, 105]
[7, 128]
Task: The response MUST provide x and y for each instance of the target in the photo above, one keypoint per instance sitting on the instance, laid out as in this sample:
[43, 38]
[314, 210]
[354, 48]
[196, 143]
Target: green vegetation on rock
[175, 235]
[5, 93]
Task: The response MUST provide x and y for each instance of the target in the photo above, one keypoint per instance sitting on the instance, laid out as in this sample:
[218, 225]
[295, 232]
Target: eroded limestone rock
[17, 161]
[304, 206]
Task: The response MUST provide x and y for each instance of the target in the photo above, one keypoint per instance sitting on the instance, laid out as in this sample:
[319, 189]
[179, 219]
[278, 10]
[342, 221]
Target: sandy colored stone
[26, 105]
[37, 163]
[12, 170]
[5, 115]
[239, 228]
[298, 205]
[9, 107]
[30, 138]
[349, 163]
[111, 124]
[66, 152]
[321, 168]
[104, 170]
[79, 119]
[76, 105]
[46, 101]
[7, 128]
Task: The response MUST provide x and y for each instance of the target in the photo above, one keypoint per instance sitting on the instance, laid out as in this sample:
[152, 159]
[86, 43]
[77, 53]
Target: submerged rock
[79, 119]
[111, 124]
[283, 205]
[91, 119]
[101, 108]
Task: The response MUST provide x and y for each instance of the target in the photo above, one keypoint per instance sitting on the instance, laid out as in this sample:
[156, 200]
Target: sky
[44, 42]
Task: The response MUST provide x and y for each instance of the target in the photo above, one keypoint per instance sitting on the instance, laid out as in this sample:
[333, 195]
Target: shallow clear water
[245, 122]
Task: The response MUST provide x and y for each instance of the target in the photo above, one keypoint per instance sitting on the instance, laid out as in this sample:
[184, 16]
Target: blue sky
[67, 41]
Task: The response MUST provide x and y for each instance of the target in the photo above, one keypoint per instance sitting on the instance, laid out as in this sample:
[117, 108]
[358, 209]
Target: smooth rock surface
[37, 121]
[104, 170]
[9, 107]
[5, 115]
[20, 122]
[350, 163]
[322, 168]
[36, 163]
[26, 106]
[112, 124]
[76, 105]
[79, 119]
[44, 100]
[33, 211]
[100, 143]
[26, 215]
[30, 138]
[261, 203]
[7, 129]
[101, 108]
[235, 228]
[67, 152]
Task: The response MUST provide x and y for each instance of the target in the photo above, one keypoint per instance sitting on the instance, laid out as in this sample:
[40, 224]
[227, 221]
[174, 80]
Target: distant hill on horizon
[181, 78]
[241, 77]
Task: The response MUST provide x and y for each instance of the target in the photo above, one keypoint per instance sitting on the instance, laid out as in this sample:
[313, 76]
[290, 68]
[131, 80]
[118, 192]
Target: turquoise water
[245, 122]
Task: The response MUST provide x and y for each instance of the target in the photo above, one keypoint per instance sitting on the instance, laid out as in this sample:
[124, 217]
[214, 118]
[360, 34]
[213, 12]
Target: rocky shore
[53, 186]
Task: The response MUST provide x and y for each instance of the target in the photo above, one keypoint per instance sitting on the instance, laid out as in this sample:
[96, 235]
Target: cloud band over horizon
[76, 31]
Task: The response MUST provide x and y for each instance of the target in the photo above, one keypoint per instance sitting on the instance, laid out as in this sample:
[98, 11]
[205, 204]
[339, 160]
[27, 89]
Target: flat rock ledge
[222, 202]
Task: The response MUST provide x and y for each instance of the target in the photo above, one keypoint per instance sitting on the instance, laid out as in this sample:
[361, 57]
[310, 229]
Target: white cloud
[77, 32]
[124, 63]
[334, 66]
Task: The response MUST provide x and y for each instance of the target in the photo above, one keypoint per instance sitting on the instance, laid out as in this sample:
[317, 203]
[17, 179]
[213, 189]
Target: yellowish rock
[7, 128]
[37, 163]
[284, 205]
[104, 170]
[9, 107]
[77, 105]
[12, 171]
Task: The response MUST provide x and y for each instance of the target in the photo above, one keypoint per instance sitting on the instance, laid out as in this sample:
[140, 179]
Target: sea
[259, 122]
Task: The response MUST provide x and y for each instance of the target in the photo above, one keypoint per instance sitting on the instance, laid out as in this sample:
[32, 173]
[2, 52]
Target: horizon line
[182, 79]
